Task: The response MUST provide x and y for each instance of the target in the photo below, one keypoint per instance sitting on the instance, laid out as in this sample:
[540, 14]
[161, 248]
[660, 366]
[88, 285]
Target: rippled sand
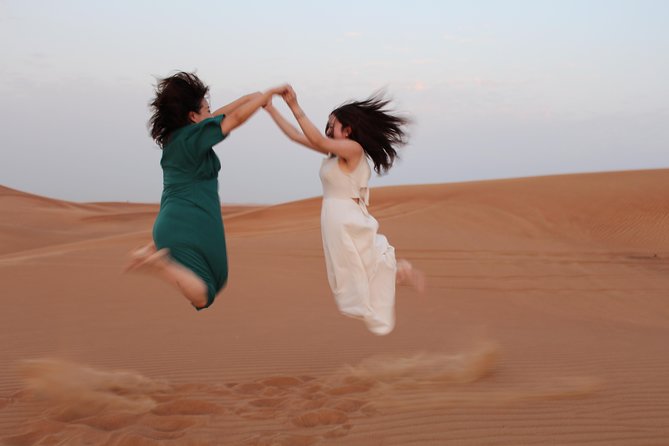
[545, 322]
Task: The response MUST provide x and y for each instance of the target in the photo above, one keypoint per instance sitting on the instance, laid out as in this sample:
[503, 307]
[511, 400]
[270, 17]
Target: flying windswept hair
[377, 129]
[176, 97]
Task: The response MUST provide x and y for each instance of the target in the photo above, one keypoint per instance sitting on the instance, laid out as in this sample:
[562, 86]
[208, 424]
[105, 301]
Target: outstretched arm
[242, 113]
[288, 129]
[227, 109]
[346, 149]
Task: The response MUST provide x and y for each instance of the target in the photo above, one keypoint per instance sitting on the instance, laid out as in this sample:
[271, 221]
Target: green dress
[189, 223]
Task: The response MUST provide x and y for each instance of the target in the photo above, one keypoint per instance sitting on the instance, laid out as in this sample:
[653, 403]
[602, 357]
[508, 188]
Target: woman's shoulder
[193, 129]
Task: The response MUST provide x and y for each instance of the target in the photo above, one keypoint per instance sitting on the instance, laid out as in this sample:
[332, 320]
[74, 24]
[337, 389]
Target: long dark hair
[176, 97]
[377, 129]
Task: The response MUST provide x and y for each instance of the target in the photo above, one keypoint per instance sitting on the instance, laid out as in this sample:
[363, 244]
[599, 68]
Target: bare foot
[155, 262]
[139, 255]
[408, 275]
[147, 259]
[152, 261]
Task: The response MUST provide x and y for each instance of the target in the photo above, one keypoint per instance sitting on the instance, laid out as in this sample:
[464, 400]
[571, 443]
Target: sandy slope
[545, 323]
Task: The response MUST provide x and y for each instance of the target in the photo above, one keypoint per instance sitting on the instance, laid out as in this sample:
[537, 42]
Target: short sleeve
[205, 134]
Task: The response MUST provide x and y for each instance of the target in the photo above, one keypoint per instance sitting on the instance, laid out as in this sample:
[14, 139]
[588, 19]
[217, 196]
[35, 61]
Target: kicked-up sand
[545, 322]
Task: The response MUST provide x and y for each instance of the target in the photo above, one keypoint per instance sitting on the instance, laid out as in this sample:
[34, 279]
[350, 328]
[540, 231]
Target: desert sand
[545, 322]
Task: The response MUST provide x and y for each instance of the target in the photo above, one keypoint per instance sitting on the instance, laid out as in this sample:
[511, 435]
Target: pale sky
[496, 89]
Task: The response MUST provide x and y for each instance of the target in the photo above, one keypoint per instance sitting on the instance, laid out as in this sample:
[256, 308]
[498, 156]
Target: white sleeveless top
[347, 185]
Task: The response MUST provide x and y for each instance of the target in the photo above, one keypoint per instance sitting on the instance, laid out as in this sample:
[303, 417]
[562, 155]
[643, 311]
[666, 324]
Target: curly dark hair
[176, 97]
[377, 129]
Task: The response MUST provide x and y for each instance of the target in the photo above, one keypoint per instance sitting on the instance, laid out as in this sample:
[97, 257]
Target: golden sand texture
[545, 322]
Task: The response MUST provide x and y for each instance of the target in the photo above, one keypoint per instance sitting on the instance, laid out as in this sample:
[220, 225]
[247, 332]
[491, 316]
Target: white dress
[360, 262]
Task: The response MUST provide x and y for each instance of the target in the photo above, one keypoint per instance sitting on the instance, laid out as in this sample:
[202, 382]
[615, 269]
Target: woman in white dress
[361, 266]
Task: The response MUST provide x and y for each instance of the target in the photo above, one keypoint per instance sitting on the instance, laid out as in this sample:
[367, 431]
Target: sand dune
[545, 322]
[29, 221]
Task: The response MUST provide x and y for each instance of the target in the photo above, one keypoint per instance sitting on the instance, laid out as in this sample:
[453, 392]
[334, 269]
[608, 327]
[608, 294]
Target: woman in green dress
[188, 249]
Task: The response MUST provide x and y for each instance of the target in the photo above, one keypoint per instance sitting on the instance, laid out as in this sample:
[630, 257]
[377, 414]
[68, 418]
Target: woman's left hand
[290, 96]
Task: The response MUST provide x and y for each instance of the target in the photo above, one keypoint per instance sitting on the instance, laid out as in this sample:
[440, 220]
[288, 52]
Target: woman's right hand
[280, 90]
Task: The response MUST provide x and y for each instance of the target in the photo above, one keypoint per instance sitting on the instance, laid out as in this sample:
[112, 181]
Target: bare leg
[408, 275]
[158, 263]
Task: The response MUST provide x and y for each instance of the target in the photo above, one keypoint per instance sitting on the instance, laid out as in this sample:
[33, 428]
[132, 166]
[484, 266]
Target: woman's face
[334, 129]
[202, 114]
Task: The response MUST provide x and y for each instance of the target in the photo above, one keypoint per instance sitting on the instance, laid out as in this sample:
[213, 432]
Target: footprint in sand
[268, 402]
[169, 423]
[188, 407]
[320, 409]
[110, 422]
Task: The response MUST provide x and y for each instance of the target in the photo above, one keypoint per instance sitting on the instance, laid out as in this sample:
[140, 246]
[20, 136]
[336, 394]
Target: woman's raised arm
[242, 113]
[288, 129]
